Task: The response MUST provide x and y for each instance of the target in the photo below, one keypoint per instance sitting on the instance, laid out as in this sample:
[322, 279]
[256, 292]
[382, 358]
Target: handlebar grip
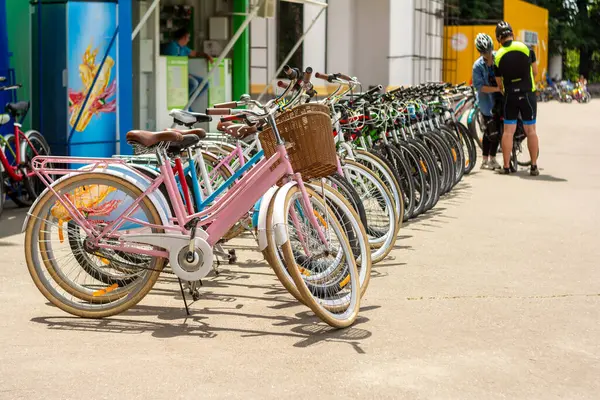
[282, 84]
[230, 104]
[376, 89]
[291, 73]
[325, 77]
[344, 77]
[218, 111]
[307, 75]
[232, 118]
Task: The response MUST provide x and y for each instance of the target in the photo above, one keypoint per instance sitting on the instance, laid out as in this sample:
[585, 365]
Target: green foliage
[571, 62]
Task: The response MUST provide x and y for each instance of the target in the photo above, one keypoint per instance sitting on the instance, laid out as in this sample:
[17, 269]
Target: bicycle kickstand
[187, 310]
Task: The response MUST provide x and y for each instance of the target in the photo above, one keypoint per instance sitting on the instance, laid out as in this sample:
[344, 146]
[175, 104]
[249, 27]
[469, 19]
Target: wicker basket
[308, 128]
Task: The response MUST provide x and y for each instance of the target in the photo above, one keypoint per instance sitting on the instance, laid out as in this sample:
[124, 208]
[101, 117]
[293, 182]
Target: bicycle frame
[219, 217]
[13, 171]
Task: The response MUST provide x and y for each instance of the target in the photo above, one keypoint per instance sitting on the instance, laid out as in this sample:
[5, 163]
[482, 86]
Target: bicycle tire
[347, 190]
[458, 153]
[397, 161]
[417, 181]
[125, 299]
[336, 313]
[385, 171]
[471, 146]
[440, 153]
[432, 177]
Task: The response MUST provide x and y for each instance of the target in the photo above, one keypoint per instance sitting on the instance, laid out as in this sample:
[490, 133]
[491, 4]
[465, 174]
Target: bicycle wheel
[385, 171]
[471, 148]
[35, 145]
[14, 190]
[457, 152]
[354, 230]
[35, 135]
[398, 163]
[332, 289]
[383, 225]
[346, 189]
[341, 184]
[432, 178]
[53, 264]
[442, 155]
[416, 178]
[476, 128]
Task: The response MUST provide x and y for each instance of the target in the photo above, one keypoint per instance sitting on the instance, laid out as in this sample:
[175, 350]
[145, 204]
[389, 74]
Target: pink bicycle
[96, 215]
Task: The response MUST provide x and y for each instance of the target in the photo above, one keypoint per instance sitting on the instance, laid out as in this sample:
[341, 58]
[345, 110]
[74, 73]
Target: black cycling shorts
[524, 104]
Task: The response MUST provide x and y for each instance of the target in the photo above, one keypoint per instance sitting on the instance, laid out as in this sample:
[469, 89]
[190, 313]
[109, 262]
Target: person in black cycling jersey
[515, 69]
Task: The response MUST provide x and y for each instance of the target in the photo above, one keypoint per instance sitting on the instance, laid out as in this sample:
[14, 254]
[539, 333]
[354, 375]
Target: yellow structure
[529, 22]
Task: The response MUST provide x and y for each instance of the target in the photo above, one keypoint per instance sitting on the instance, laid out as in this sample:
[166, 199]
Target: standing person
[487, 95]
[179, 47]
[515, 69]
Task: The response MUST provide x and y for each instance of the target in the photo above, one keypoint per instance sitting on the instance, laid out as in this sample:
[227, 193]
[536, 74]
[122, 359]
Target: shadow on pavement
[542, 177]
[304, 325]
[11, 222]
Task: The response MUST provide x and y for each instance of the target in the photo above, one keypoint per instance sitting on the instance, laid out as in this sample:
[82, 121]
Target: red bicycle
[17, 179]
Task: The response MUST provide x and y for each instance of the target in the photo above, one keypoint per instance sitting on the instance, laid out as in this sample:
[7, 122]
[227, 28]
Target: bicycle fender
[154, 198]
[265, 201]
[470, 116]
[279, 214]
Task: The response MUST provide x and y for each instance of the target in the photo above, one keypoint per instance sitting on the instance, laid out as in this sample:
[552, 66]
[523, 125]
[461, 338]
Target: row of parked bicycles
[564, 92]
[323, 185]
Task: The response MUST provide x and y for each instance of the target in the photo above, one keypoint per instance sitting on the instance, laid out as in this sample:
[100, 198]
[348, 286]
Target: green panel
[241, 53]
[19, 40]
[177, 82]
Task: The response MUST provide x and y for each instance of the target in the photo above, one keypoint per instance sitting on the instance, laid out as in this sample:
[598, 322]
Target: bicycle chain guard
[178, 247]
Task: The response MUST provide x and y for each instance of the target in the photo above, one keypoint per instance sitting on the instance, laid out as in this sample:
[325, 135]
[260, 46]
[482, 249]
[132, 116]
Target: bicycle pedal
[232, 256]
[196, 295]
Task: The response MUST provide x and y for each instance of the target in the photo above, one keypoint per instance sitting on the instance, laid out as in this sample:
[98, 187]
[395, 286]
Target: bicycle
[18, 149]
[182, 239]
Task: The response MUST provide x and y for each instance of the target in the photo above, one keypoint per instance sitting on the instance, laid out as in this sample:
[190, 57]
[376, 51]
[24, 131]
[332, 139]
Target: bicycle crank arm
[178, 248]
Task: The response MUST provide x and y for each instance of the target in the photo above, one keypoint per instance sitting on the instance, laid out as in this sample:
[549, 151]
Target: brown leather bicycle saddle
[201, 133]
[149, 139]
[177, 140]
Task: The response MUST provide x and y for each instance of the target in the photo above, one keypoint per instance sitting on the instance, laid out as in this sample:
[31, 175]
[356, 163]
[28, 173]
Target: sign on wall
[177, 82]
[530, 38]
[459, 41]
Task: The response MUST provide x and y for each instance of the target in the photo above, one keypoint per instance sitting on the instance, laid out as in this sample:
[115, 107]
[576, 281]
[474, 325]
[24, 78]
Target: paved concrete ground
[494, 294]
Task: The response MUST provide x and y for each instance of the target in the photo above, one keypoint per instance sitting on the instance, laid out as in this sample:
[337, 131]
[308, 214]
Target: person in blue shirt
[179, 47]
[489, 98]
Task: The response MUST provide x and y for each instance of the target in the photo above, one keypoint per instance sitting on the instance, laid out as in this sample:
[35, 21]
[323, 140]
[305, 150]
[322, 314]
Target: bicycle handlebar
[369, 92]
[218, 111]
[229, 104]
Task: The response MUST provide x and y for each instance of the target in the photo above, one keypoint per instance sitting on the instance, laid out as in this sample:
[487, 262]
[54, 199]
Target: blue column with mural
[80, 87]
[5, 97]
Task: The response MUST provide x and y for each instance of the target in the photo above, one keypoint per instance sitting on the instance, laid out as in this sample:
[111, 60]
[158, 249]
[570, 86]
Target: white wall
[259, 72]
[401, 42]
[555, 67]
[371, 41]
[340, 43]
[313, 52]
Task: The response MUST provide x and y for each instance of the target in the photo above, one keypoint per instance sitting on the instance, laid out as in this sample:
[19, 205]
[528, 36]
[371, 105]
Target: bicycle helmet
[484, 43]
[503, 29]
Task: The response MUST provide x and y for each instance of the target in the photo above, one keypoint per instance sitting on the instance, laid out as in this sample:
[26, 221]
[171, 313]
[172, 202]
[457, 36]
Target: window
[290, 27]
